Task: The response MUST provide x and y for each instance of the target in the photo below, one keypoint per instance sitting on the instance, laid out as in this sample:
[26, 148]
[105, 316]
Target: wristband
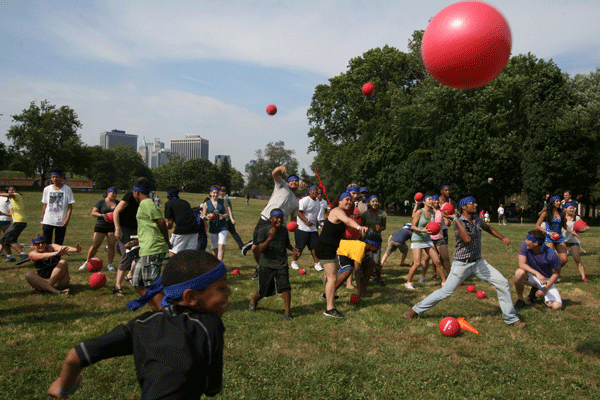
[68, 391]
[133, 244]
[454, 219]
[55, 253]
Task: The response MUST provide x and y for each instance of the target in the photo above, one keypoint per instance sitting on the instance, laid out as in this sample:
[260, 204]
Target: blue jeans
[482, 270]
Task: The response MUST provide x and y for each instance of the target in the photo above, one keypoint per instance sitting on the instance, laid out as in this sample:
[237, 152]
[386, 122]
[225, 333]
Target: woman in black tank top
[329, 241]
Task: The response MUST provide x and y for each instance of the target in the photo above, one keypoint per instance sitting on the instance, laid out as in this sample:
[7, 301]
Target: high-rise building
[153, 153]
[193, 146]
[220, 158]
[108, 140]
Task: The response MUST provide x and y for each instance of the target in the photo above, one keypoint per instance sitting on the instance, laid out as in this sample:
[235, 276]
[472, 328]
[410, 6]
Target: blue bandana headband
[569, 204]
[312, 187]
[445, 186]
[363, 189]
[426, 196]
[38, 240]
[293, 178]
[533, 239]
[373, 197]
[436, 197]
[110, 191]
[344, 195]
[466, 200]
[58, 174]
[141, 189]
[214, 188]
[352, 189]
[374, 243]
[175, 291]
[276, 214]
[553, 199]
[172, 195]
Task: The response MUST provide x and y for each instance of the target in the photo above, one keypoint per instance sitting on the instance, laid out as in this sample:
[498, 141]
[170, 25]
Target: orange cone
[466, 326]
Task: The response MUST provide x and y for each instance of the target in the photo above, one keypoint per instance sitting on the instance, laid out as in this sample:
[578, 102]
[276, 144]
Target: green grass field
[373, 353]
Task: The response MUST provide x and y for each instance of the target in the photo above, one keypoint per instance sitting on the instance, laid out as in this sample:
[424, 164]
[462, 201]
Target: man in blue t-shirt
[397, 240]
[539, 266]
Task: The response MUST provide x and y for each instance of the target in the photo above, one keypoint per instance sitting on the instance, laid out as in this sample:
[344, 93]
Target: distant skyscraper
[220, 158]
[108, 140]
[193, 146]
[154, 153]
[251, 163]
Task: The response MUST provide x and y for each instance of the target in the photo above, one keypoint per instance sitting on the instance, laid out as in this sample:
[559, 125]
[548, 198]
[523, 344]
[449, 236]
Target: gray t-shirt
[282, 198]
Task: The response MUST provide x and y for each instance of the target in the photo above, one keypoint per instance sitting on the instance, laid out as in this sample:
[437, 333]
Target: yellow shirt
[17, 208]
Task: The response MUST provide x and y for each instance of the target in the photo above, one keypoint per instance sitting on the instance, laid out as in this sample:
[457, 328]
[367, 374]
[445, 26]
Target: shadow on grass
[591, 349]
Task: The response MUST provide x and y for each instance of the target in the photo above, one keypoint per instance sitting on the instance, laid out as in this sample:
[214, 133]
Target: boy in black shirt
[273, 241]
[178, 351]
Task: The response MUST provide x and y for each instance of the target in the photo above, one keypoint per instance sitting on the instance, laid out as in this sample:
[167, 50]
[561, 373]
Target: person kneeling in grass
[273, 242]
[178, 351]
[539, 267]
[52, 272]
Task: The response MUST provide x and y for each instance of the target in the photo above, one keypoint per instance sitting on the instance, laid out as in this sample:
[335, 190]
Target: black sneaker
[255, 276]
[10, 259]
[531, 295]
[23, 258]
[334, 313]
[288, 317]
[251, 307]
[519, 304]
[324, 298]
[246, 247]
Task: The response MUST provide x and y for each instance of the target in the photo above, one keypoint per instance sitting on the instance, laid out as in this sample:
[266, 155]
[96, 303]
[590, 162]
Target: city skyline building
[221, 157]
[108, 140]
[193, 146]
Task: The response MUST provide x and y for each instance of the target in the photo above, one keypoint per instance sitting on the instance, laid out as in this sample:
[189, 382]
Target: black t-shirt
[127, 217]
[275, 255]
[45, 267]
[181, 212]
[178, 352]
[104, 209]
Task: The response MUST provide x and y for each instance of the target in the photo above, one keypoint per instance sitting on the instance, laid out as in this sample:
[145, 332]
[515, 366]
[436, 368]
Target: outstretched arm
[69, 379]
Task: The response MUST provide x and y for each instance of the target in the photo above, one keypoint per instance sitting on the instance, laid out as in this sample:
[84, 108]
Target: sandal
[117, 291]
[130, 280]
[64, 292]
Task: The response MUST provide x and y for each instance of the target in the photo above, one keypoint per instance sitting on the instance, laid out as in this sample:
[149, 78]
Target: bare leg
[59, 278]
[437, 262]
[415, 265]
[330, 286]
[221, 251]
[577, 259]
[112, 241]
[520, 277]
[287, 300]
[96, 243]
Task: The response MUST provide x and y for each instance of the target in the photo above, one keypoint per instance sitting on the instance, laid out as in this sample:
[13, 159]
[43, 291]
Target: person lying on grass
[52, 272]
[178, 351]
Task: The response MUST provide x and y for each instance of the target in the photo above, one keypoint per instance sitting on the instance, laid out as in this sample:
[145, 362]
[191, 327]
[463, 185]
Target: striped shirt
[469, 251]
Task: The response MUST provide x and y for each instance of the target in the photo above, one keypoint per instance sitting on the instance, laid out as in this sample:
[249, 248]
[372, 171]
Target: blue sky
[164, 69]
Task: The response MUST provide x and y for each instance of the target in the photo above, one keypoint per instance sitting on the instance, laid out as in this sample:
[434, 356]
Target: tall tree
[46, 137]
[275, 154]
[198, 174]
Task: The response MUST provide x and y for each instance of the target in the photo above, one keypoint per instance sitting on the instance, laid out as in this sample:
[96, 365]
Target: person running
[328, 242]
[179, 214]
[468, 261]
[10, 238]
[52, 272]
[58, 206]
[230, 220]
[421, 241]
[555, 221]
[214, 210]
[307, 233]
[104, 227]
[397, 240]
[539, 267]
[284, 198]
[571, 241]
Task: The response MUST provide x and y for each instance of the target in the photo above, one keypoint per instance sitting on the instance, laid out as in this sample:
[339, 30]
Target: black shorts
[12, 233]
[304, 239]
[104, 230]
[268, 278]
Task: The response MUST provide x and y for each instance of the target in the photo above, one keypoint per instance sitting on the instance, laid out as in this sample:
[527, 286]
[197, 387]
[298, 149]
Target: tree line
[533, 129]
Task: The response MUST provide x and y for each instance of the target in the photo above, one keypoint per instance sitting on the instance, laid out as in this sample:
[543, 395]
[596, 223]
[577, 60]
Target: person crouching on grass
[186, 336]
[273, 242]
[539, 267]
[52, 272]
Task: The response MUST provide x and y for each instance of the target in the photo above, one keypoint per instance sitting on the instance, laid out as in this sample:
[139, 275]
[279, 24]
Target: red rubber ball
[418, 196]
[449, 326]
[94, 264]
[481, 294]
[579, 226]
[271, 109]
[97, 280]
[466, 45]
[292, 226]
[302, 272]
[368, 89]
[447, 208]
[434, 227]
[355, 299]
[109, 218]
[471, 289]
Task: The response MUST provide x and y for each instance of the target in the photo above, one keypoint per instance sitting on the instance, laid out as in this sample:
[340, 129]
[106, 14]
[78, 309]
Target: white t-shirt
[500, 210]
[321, 215]
[5, 208]
[310, 208]
[282, 198]
[56, 204]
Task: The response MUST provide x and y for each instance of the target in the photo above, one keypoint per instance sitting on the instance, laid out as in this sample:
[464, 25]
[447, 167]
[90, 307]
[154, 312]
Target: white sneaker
[83, 266]
[318, 267]
[422, 279]
[111, 267]
[295, 265]
[409, 286]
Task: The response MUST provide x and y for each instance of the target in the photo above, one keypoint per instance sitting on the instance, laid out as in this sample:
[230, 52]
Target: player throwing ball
[467, 261]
